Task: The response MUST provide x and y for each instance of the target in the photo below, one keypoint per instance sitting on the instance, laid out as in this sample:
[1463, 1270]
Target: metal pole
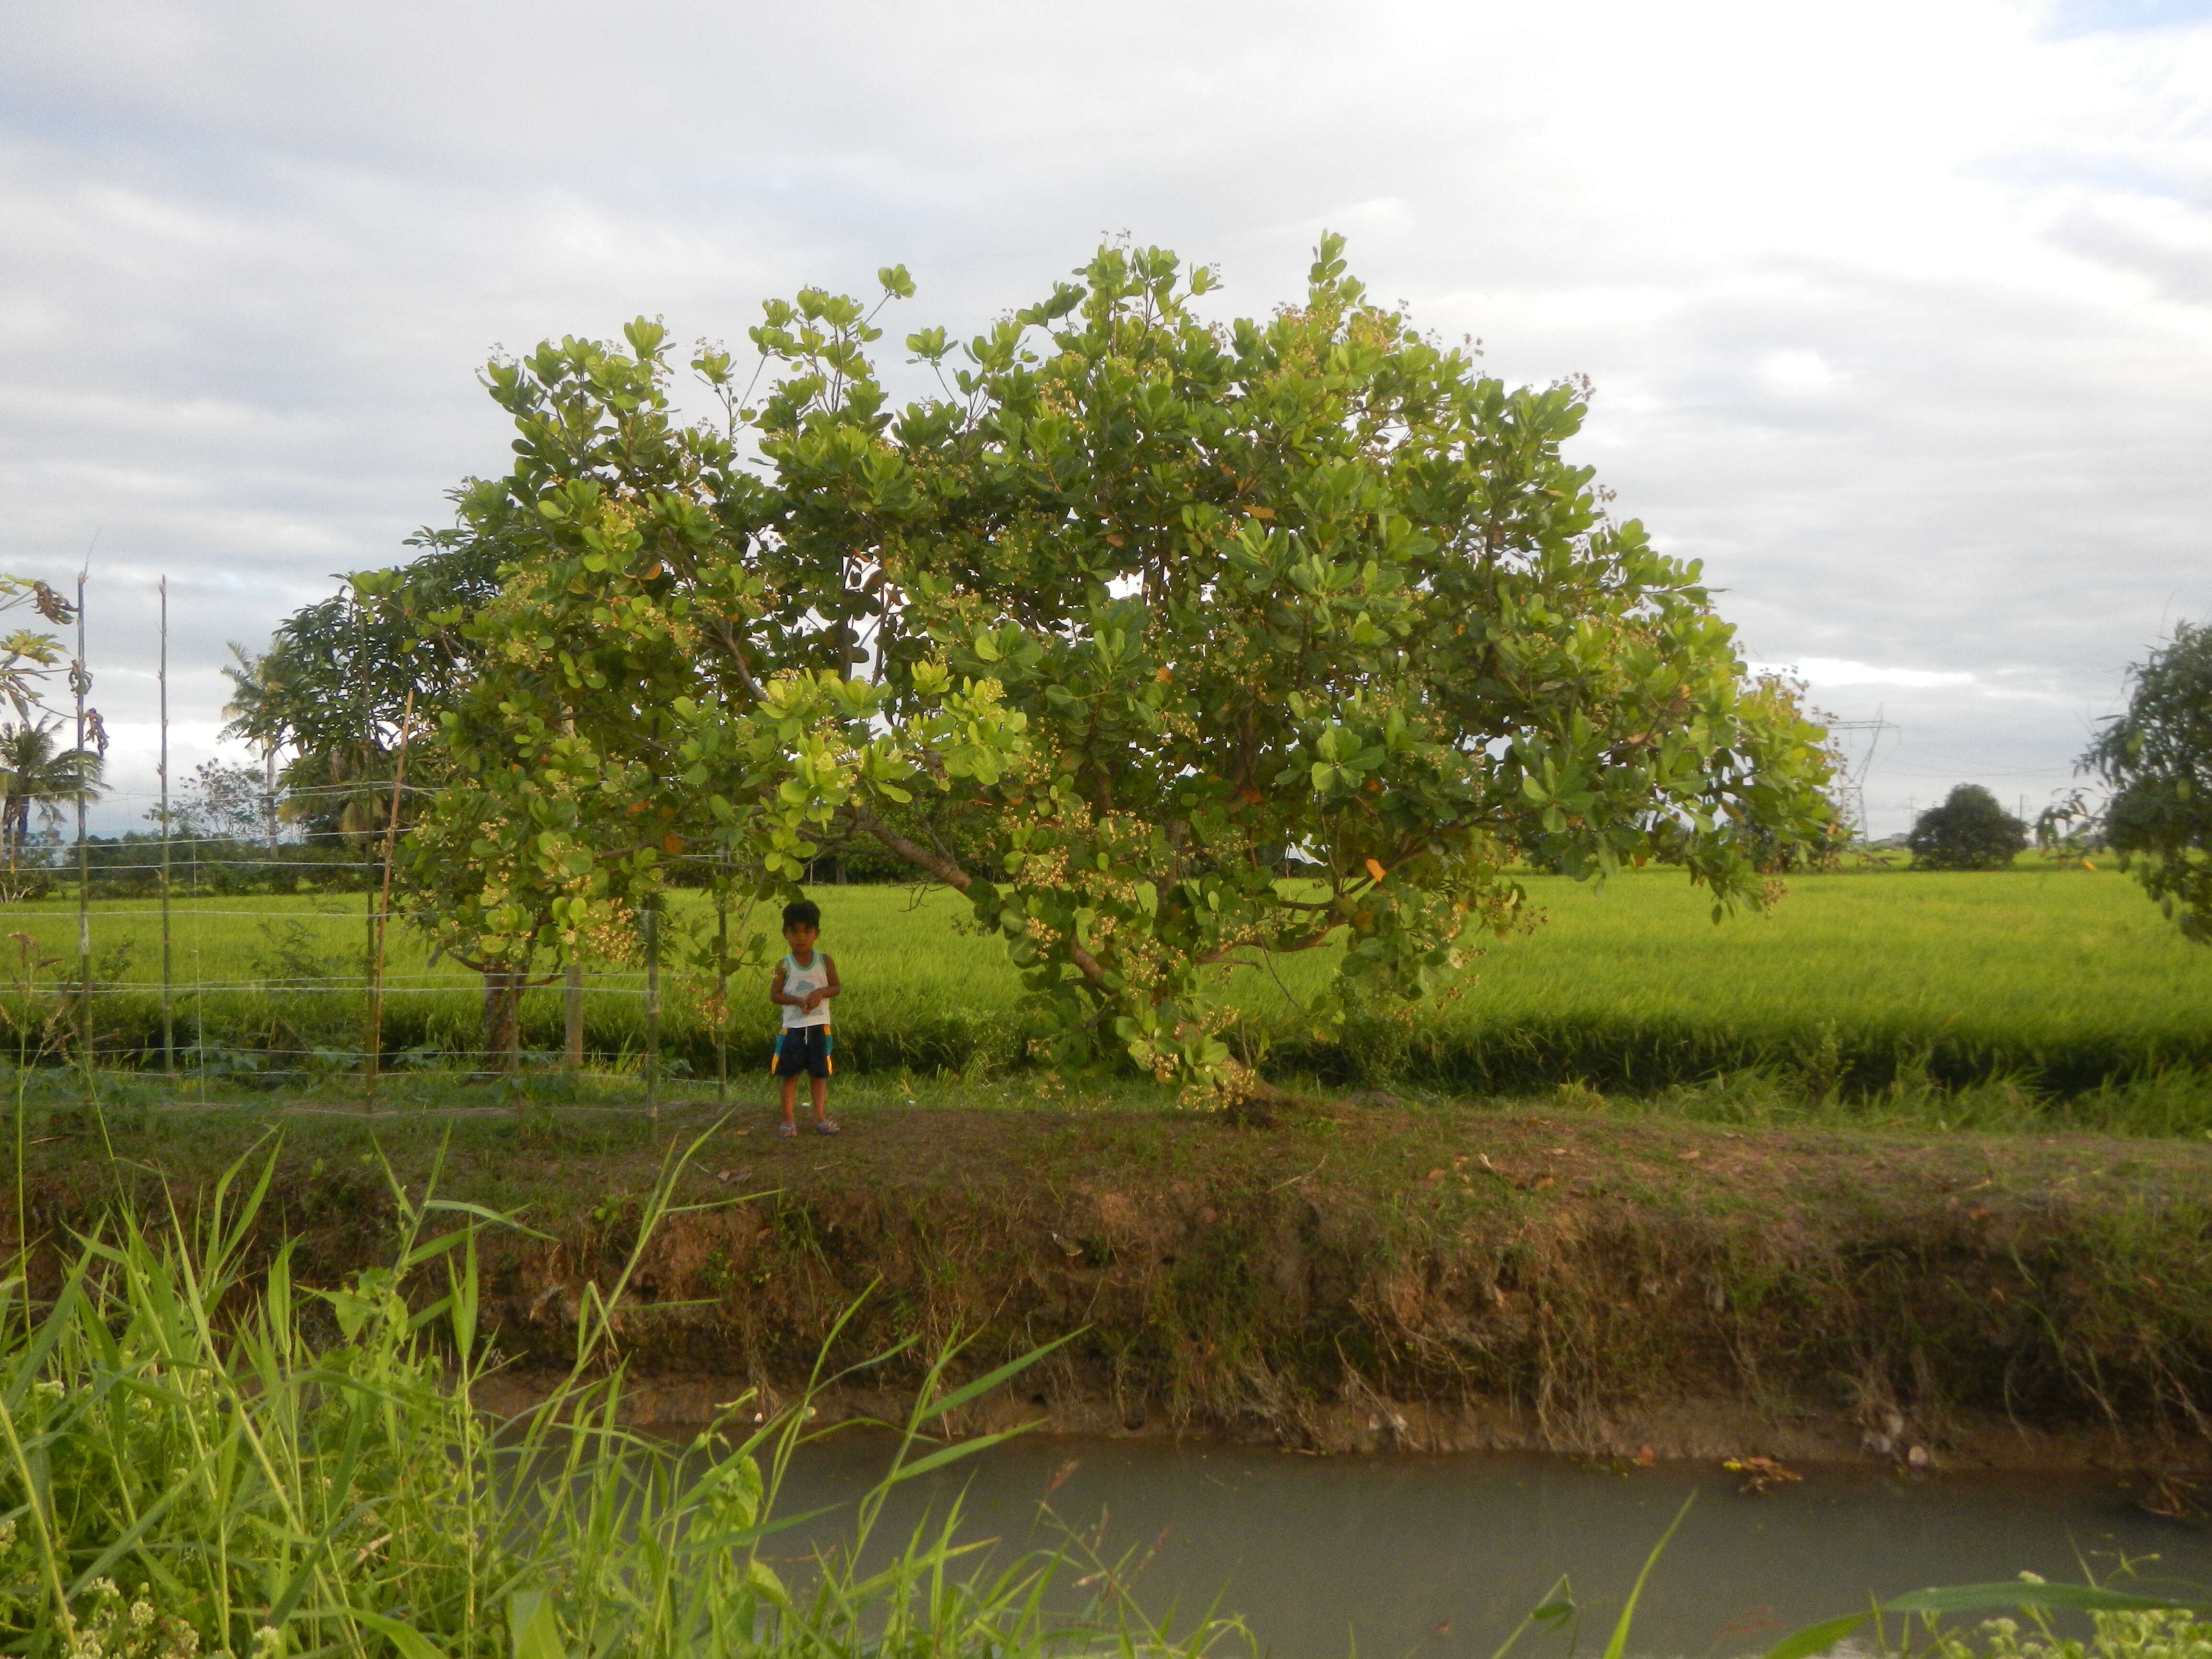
[83, 683]
[572, 1012]
[652, 1008]
[199, 974]
[368, 749]
[376, 1056]
[168, 1010]
[721, 998]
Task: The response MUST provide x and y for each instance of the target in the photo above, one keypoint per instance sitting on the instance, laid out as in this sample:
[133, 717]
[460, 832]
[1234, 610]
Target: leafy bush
[1968, 831]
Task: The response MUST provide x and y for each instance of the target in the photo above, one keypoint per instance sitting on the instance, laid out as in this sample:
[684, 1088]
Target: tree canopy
[35, 770]
[1213, 640]
[2156, 759]
[1969, 831]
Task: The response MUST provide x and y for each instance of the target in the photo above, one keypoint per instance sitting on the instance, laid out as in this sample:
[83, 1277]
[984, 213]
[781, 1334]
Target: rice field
[2060, 980]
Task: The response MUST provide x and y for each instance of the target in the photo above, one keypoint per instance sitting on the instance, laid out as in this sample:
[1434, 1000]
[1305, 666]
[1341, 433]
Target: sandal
[787, 1131]
[828, 1126]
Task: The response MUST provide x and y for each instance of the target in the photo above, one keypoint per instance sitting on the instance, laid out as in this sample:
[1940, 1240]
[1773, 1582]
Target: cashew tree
[1220, 640]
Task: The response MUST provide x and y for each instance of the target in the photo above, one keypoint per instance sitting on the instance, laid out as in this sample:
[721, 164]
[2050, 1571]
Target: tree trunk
[502, 1020]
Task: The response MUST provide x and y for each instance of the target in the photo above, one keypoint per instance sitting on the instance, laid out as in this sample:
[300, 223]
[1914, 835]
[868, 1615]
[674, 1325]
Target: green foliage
[2171, 1634]
[31, 660]
[344, 678]
[200, 1455]
[1968, 831]
[1156, 606]
[2125, 1625]
[2156, 757]
[36, 773]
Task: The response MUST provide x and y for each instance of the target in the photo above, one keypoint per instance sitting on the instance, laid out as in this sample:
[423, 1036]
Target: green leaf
[531, 1626]
[1817, 1638]
[2023, 1593]
[402, 1636]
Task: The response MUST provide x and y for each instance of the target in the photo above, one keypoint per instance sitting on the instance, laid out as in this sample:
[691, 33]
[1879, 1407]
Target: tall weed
[198, 1454]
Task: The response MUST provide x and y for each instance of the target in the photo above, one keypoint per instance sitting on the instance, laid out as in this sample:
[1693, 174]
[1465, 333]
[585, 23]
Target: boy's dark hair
[802, 912]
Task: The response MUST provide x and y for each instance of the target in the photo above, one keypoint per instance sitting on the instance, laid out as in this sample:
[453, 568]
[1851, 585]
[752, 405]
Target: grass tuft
[197, 1458]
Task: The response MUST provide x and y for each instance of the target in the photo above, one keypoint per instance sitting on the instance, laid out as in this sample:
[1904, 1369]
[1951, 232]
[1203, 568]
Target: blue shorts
[802, 1048]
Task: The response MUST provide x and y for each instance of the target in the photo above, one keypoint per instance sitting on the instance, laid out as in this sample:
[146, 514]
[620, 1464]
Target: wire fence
[270, 947]
[226, 973]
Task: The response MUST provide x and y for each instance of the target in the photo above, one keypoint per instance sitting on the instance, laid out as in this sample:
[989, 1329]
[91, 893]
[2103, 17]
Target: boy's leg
[818, 1067]
[791, 1096]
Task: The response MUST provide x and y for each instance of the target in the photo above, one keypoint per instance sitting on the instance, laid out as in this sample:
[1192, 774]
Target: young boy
[805, 981]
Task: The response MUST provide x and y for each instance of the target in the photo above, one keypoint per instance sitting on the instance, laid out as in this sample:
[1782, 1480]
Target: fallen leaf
[1542, 1181]
[1762, 1474]
[1646, 1456]
[1694, 1152]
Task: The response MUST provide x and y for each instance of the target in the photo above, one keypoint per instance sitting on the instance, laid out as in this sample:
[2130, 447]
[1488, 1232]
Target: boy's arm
[817, 997]
[775, 992]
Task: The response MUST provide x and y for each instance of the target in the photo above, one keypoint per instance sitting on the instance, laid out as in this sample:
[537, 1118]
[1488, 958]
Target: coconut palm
[35, 770]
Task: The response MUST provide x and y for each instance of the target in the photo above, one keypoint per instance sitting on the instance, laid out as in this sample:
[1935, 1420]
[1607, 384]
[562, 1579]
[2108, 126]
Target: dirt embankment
[1352, 1277]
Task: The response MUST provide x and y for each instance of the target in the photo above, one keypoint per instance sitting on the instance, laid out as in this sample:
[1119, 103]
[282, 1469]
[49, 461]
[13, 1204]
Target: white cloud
[1798, 371]
[1901, 318]
[1825, 673]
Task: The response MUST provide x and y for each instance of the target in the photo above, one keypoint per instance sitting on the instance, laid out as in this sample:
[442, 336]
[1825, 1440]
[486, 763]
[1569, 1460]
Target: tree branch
[954, 876]
[1310, 942]
[920, 857]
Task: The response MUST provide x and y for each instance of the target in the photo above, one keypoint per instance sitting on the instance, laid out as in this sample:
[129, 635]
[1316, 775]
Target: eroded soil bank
[1353, 1276]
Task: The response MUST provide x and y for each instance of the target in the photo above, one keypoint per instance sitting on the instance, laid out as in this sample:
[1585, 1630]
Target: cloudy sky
[1900, 314]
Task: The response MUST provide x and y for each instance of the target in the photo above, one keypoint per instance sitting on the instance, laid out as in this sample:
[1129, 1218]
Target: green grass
[200, 1454]
[2063, 980]
[2059, 982]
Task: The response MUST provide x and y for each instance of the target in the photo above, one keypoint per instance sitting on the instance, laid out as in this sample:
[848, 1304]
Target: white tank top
[797, 982]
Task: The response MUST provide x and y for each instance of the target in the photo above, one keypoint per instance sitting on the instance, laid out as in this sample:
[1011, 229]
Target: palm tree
[36, 770]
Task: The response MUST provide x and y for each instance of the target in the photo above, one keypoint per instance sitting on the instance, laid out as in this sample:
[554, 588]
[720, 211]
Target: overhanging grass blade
[1817, 1638]
[483, 1212]
[2023, 1594]
[1619, 1644]
[983, 1385]
[953, 1454]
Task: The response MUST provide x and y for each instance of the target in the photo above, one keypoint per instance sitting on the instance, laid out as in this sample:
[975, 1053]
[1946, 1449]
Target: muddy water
[1441, 1556]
